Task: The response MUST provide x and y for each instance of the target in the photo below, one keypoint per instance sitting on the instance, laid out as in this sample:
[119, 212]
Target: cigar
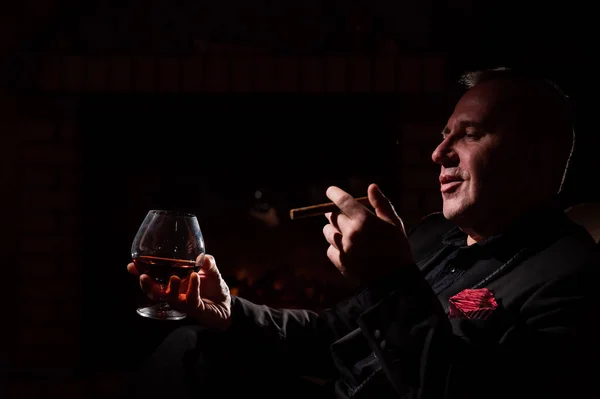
[321, 209]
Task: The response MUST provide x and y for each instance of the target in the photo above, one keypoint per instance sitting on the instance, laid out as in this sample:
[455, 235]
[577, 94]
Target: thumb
[383, 207]
[209, 266]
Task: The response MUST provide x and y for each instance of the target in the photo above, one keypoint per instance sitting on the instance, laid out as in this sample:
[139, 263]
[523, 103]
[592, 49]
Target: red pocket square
[472, 304]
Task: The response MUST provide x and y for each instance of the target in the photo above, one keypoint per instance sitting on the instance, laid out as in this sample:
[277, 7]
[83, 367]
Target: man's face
[481, 157]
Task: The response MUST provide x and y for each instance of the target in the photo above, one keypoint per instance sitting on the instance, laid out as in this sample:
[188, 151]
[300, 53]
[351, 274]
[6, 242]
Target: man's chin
[455, 211]
[450, 215]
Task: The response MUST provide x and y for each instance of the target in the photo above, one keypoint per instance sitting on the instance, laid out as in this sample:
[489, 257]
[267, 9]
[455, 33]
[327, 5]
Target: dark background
[84, 161]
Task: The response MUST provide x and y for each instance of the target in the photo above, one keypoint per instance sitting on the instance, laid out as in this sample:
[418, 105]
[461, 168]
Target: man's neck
[497, 225]
[471, 240]
[489, 228]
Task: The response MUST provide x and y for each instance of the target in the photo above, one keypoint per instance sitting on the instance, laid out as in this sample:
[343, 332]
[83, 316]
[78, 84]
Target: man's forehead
[485, 102]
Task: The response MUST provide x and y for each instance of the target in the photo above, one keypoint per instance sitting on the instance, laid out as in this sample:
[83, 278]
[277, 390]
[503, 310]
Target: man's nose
[444, 154]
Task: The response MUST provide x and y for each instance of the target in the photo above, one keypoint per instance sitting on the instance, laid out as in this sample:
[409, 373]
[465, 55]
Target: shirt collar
[535, 222]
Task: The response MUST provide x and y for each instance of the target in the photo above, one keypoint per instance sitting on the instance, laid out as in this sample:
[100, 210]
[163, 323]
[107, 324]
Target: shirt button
[377, 334]
[452, 270]
[382, 344]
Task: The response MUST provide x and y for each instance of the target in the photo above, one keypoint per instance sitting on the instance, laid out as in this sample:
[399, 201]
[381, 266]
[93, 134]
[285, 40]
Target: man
[587, 214]
[493, 298]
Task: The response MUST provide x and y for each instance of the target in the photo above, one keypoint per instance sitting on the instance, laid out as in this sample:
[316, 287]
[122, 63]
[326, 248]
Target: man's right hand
[203, 296]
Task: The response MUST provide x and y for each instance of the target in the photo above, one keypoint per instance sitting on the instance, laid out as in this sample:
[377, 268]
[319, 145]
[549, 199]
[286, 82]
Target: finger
[132, 269]
[172, 292]
[347, 204]
[333, 236]
[332, 219]
[338, 220]
[383, 207]
[341, 222]
[147, 285]
[334, 256]
[209, 266]
[193, 291]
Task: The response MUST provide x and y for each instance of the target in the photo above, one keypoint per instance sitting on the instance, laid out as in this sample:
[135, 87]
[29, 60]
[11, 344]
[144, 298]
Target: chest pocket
[482, 331]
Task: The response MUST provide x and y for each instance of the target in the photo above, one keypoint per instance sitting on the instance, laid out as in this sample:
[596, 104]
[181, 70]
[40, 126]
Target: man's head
[505, 149]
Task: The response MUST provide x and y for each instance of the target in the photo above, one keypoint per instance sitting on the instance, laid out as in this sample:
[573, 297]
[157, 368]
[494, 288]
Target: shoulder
[570, 253]
[567, 266]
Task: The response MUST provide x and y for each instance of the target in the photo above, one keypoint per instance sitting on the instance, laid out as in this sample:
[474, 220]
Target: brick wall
[43, 212]
[420, 79]
[240, 73]
[42, 179]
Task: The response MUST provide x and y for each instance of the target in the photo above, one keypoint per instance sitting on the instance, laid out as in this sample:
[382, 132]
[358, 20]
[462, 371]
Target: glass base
[161, 312]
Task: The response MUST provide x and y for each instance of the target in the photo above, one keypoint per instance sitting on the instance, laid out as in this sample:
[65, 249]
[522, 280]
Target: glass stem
[162, 297]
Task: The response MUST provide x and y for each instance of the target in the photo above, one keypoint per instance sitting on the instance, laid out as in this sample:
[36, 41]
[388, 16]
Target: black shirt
[477, 261]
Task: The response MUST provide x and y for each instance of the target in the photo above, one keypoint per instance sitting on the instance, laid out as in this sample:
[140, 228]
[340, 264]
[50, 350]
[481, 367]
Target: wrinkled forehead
[491, 103]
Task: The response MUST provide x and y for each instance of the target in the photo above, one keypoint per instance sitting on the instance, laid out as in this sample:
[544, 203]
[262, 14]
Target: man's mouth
[449, 183]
